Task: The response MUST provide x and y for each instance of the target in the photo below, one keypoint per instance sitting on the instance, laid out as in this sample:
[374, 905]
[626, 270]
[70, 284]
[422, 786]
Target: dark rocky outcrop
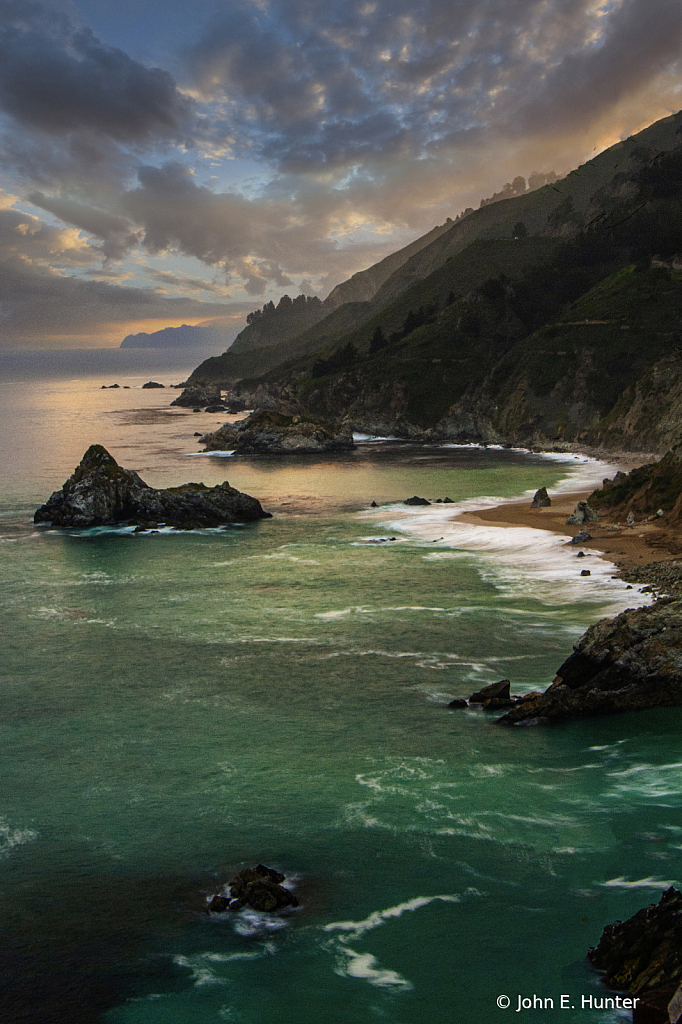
[259, 888]
[581, 537]
[101, 493]
[267, 432]
[541, 499]
[643, 955]
[582, 514]
[496, 691]
[152, 384]
[644, 491]
[627, 663]
[415, 500]
[199, 393]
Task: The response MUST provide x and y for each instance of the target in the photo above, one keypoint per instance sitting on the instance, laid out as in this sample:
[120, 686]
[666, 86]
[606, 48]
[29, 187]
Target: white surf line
[518, 560]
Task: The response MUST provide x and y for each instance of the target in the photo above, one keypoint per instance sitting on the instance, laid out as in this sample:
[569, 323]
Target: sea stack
[102, 493]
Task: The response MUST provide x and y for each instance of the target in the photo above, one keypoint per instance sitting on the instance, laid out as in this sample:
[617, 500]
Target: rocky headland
[102, 493]
[268, 432]
[626, 663]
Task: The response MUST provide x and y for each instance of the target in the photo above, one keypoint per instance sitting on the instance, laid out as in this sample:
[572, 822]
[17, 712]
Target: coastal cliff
[563, 333]
[627, 663]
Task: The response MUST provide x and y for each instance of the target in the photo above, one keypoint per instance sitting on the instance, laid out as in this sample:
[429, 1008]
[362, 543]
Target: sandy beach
[629, 547]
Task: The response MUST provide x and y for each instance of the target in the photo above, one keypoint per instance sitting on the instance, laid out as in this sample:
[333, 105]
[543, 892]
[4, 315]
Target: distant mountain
[209, 334]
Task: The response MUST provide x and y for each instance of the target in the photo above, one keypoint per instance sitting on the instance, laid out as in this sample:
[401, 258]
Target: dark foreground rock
[643, 956]
[101, 493]
[259, 888]
[628, 663]
[267, 432]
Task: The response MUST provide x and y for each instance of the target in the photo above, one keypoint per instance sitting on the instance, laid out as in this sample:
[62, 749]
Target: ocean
[175, 707]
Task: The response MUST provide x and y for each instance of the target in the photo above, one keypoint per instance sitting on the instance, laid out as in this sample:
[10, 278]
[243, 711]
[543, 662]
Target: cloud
[185, 283]
[403, 79]
[360, 125]
[59, 78]
[43, 296]
[26, 238]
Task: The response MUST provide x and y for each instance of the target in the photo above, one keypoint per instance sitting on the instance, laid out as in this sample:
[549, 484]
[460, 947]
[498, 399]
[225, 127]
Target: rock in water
[152, 384]
[496, 691]
[259, 888]
[643, 955]
[541, 499]
[265, 432]
[416, 500]
[198, 393]
[101, 493]
[631, 662]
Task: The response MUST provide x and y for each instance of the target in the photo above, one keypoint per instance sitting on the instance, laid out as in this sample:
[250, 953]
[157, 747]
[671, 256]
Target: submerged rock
[101, 493]
[267, 432]
[627, 663]
[643, 955]
[541, 499]
[259, 888]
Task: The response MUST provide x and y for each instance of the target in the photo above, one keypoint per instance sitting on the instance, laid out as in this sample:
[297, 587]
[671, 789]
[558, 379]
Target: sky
[166, 162]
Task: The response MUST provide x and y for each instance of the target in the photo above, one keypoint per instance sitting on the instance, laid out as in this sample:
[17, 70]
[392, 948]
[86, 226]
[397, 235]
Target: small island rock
[152, 384]
[415, 500]
[101, 493]
[259, 888]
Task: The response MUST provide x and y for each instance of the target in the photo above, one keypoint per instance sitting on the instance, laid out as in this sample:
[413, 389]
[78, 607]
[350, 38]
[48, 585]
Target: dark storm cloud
[59, 78]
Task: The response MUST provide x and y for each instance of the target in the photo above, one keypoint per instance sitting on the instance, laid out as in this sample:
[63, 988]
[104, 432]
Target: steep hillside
[274, 323]
[590, 194]
[364, 285]
[568, 332]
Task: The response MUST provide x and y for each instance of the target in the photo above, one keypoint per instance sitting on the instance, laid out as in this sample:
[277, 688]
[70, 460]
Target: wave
[365, 965]
[10, 838]
[214, 455]
[518, 561]
[640, 883]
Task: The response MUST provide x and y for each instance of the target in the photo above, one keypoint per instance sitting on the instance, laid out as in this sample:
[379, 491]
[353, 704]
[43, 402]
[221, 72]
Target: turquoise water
[175, 707]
